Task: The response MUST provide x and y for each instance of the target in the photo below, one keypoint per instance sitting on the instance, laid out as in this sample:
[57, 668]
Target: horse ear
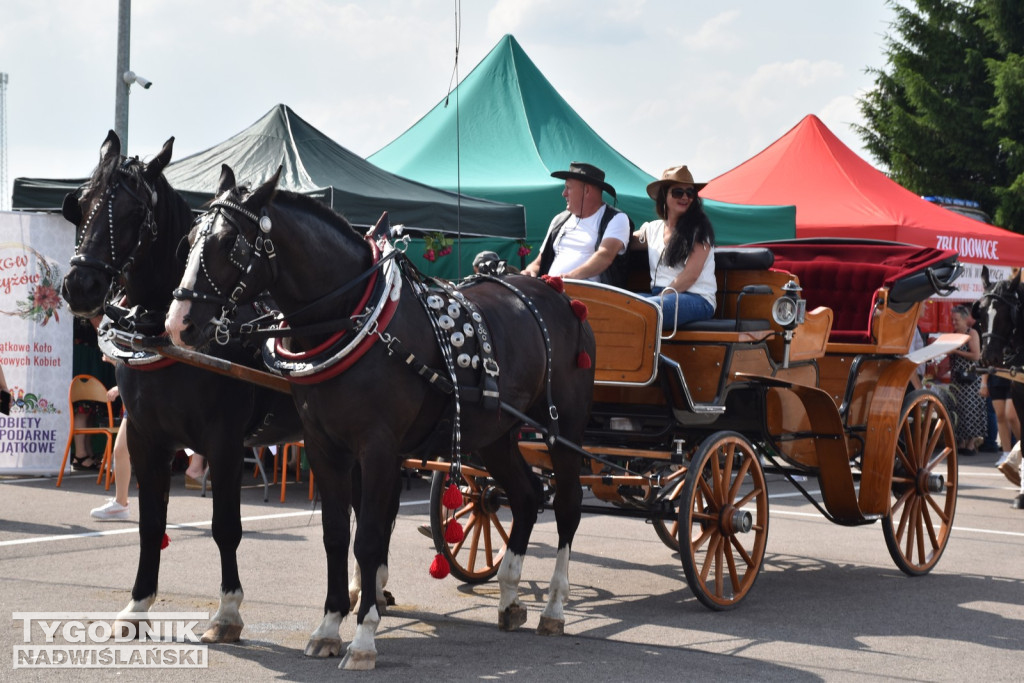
[160, 161]
[70, 209]
[986, 280]
[262, 195]
[227, 179]
[111, 147]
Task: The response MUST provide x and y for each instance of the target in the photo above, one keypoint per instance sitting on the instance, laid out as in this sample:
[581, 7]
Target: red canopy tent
[838, 194]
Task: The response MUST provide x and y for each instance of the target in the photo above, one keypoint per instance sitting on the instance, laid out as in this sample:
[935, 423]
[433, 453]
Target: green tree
[1003, 22]
[932, 117]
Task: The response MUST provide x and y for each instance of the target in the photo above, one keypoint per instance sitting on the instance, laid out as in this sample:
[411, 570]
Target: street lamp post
[124, 21]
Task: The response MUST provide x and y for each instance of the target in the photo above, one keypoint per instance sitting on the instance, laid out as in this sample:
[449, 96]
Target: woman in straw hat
[680, 249]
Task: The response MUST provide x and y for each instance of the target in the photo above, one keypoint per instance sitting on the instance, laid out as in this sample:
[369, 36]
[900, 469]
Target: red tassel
[165, 541]
[554, 282]
[583, 360]
[453, 532]
[579, 308]
[452, 498]
[439, 567]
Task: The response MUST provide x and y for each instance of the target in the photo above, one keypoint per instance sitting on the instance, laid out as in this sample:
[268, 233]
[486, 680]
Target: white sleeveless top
[662, 274]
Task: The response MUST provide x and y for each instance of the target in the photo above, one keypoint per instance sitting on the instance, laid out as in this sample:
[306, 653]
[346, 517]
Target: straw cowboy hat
[588, 173]
[677, 175]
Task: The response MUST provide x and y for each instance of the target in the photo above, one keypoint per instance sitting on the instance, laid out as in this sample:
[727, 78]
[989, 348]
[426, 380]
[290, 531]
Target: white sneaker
[111, 510]
[1010, 465]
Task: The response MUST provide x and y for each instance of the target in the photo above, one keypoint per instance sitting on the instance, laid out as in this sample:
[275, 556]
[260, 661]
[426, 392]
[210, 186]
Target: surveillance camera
[132, 77]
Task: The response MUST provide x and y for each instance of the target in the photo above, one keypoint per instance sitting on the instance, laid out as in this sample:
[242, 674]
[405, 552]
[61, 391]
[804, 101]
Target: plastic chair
[282, 453]
[88, 388]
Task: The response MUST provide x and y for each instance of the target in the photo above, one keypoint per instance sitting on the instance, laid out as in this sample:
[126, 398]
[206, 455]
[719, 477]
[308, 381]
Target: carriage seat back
[849, 289]
[730, 318]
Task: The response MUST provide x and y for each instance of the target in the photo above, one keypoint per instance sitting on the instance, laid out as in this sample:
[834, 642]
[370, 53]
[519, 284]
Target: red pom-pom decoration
[583, 360]
[439, 567]
[579, 308]
[453, 532]
[554, 282]
[165, 541]
[452, 498]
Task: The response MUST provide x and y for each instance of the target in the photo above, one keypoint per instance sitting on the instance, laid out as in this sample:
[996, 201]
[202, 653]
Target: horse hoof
[222, 633]
[359, 660]
[323, 647]
[551, 627]
[512, 618]
[389, 599]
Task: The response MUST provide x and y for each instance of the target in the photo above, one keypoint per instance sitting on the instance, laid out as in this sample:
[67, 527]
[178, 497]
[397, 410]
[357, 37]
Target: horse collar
[367, 324]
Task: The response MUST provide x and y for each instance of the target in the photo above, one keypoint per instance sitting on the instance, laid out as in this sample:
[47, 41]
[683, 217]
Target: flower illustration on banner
[437, 245]
[43, 300]
[27, 402]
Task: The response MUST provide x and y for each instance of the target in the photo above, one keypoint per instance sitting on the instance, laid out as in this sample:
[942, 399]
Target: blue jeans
[686, 306]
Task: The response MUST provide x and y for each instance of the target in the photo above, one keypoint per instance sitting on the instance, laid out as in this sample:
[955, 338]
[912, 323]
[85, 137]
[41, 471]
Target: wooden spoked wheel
[723, 520]
[668, 529]
[924, 485]
[486, 522]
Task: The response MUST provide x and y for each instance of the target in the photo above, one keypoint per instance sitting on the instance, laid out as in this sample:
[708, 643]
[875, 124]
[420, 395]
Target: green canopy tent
[512, 129]
[316, 165]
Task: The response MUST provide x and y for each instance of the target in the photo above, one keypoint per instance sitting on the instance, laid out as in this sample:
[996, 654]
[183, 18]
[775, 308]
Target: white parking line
[306, 513]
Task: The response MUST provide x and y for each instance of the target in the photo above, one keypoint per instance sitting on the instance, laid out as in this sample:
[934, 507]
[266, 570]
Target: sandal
[87, 463]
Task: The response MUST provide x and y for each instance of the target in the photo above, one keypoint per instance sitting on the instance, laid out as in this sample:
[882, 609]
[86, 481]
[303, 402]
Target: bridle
[147, 228]
[244, 257]
[1013, 303]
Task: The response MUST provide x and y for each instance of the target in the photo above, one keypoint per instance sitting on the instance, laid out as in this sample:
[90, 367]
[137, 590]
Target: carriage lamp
[789, 310]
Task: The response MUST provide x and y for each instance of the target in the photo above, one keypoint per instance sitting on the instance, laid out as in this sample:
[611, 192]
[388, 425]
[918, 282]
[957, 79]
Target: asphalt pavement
[829, 604]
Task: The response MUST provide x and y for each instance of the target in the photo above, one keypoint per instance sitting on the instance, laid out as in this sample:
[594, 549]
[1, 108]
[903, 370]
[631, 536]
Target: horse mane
[318, 209]
[100, 179]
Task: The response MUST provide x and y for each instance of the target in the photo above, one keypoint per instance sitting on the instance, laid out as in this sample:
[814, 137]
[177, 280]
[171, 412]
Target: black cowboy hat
[587, 173]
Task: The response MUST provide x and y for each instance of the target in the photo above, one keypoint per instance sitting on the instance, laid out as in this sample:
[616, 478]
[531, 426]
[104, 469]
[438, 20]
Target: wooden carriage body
[824, 396]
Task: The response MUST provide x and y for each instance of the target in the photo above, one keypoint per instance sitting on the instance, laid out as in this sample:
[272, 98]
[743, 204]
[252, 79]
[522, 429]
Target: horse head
[231, 260]
[998, 314]
[124, 214]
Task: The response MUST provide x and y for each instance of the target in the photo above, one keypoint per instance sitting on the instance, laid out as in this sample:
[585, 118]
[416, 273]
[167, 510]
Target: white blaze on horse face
[179, 310]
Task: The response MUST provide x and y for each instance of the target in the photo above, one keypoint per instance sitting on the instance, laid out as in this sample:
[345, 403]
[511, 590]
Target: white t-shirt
[577, 240]
[662, 274]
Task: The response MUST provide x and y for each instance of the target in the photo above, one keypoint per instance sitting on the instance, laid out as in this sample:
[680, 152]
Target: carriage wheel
[924, 485]
[486, 522]
[668, 529]
[723, 520]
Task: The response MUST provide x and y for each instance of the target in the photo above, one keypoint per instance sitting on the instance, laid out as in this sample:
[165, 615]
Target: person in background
[117, 508]
[585, 239]
[680, 249]
[965, 385]
[489, 263]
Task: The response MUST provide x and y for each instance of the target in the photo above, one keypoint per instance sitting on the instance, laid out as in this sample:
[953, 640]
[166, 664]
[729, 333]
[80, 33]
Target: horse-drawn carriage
[804, 369]
[803, 372]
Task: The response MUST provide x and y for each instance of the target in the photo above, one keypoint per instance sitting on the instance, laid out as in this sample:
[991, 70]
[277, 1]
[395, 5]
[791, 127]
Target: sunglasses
[680, 192]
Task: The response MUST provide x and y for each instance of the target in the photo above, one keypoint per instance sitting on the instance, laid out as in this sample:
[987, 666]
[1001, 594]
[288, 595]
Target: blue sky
[663, 81]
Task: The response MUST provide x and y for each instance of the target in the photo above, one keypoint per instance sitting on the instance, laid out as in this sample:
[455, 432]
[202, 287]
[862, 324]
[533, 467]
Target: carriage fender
[940, 347]
[835, 476]
[883, 422]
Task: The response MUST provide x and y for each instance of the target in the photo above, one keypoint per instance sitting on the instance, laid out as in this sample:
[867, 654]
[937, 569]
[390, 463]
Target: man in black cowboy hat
[583, 241]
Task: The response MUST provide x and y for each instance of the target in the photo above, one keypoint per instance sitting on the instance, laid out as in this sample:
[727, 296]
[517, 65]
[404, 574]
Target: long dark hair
[693, 227]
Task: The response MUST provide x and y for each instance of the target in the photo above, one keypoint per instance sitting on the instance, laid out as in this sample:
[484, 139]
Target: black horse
[131, 222]
[999, 314]
[356, 396]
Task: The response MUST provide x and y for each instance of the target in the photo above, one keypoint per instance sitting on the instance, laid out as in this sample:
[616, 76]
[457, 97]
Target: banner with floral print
[36, 334]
